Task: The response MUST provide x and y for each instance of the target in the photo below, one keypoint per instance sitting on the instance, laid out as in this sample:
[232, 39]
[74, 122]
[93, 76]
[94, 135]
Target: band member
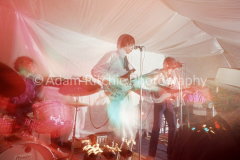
[115, 64]
[21, 105]
[113, 70]
[166, 79]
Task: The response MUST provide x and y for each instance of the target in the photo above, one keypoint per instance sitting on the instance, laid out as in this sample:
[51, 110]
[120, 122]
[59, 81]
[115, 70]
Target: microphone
[140, 47]
[177, 64]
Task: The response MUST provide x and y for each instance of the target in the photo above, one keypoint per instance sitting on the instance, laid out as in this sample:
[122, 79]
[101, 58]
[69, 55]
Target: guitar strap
[126, 63]
[128, 67]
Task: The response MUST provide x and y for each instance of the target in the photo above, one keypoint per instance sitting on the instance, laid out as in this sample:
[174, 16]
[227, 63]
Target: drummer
[21, 105]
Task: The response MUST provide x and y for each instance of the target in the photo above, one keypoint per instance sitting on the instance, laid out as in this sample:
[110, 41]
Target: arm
[110, 67]
[100, 70]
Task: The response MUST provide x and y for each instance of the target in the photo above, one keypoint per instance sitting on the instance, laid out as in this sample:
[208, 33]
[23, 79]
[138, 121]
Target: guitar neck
[127, 75]
[147, 92]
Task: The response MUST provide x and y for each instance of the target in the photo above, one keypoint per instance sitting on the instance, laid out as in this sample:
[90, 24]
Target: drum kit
[48, 117]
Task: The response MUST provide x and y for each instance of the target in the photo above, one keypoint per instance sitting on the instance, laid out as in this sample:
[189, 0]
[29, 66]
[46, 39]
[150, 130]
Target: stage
[161, 150]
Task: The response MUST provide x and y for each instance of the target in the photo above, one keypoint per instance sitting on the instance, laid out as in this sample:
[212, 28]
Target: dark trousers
[20, 114]
[165, 108]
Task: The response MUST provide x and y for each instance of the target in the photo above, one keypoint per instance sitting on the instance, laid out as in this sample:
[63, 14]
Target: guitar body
[161, 98]
[118, 88]
[163, 94]
[116, 92]
[157, 96]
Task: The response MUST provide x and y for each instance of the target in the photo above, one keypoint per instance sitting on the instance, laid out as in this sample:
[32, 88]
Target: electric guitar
[162, 93]
[120, 87]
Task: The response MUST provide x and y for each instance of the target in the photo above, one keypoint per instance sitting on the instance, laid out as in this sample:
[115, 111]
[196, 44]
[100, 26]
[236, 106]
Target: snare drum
[52, 116]
[6, 124]
[25, 150]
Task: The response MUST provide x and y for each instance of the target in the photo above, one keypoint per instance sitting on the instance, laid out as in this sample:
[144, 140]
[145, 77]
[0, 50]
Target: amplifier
[102, 138]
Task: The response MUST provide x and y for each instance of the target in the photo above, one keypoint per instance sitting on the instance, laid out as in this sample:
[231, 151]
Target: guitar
[162, 93]
[118, 88]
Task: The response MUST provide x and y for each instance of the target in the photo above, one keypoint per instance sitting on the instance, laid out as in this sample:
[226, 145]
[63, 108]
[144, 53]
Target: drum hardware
[30, 124]
[77, 104]
[74, 128]
[77, 89]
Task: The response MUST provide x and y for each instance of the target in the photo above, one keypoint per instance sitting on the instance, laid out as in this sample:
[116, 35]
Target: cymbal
[77, 104]
[81, 88]
[11, 83]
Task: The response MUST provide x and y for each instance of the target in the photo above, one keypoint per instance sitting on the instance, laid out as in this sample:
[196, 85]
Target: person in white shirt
[166, 81]
[114, 71]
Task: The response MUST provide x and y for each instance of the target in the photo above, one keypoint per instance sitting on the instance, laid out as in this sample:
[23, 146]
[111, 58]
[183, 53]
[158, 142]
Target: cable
[92, 122]
[147, 115]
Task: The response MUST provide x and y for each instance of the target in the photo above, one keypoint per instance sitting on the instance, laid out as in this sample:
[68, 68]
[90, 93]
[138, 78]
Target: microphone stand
[181, 99]
[140, 107]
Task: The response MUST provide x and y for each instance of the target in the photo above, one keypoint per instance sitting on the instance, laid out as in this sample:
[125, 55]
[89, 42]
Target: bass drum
[52, 117]
[26, 150]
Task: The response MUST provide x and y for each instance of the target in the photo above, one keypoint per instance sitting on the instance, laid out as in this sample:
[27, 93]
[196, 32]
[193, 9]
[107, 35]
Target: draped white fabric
[61, 52]
[153, 24]
[217, 18]
[172, 28]
[67, 38]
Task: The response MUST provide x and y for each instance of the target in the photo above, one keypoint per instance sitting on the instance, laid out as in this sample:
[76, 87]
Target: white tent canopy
[79, 32]
[67, 37]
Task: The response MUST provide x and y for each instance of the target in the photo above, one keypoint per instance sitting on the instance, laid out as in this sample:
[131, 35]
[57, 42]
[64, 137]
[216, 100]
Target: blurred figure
[21, 105]
[166, 80]
[114, 71]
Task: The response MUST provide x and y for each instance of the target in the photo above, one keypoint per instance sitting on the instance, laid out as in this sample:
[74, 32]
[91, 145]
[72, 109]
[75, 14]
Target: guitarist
[168, 78]
[112, 67]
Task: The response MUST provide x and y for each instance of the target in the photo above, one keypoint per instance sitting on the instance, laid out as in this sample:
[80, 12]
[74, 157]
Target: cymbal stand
[74, 127]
